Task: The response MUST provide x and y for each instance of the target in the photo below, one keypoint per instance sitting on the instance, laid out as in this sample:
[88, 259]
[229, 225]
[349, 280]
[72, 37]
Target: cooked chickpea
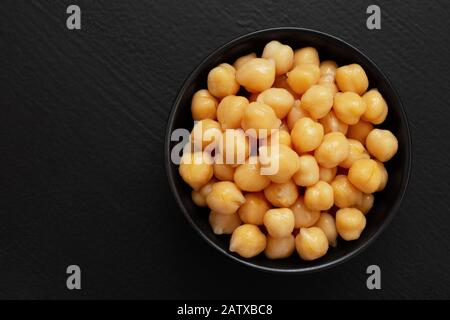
[384, 175]
[230, 111]
[382, 144]
[206, 132]
[195, 169]
[302, 77]
[360, 131]
[356, 152]
[256, 75]
[280, 100]
[234, 147]
[248, 176]
[307, 55]
[224, 223]
[282, 54]
[279, 248]
[308, 172]
[319, 196]
[333, 150]
[365, 175]
[281, 194]
[311, 243]
[352, 78]
[306, 135]
[203, 105]
[303, 216]
[247, 241]
[278, 163]
[350, 222]
[324, 81]
[331, 123]
[254, 208]
[223, 172]
[327, 174]
[222, 81]
[376, 107]
[328, 68]
[296, 113]
[243, 60]
[348, 107]
[281, 82]
[328, 225]
[366, 203]
[279, 137]
[261, 118]
[199, 196]
[345, 194]
[279, 222]
[225, 198]
[318, 101]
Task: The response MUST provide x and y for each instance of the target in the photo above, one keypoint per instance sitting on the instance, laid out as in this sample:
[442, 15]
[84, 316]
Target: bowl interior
[329, 47]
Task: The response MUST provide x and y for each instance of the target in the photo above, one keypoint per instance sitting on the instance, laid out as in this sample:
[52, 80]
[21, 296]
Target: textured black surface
[82, 119]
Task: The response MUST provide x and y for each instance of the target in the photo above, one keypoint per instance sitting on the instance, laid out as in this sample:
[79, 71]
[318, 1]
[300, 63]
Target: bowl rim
[300, 270]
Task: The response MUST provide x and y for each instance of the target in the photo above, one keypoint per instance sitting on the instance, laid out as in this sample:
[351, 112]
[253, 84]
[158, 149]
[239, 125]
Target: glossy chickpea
[306, 135]
[331, 123]
[279, 137]
[303, 216]
[279, 163]
[307, 55]
[206, 132]
[199, 196]
[223, 172]
[328, 68]
[356, 152]
[279, 248]
[311, 243]
[318, 101]
[256, 75]
[203, 105]
[327, 174]
[279, 222]
[308, 172]
[243, 60]
[230, 111]
[222, 81]
[360, 131]
[376, 107]
[326, 82]
[350, 222]
[225, 198]
[261, 118]
[281, 82]
[234, 147]
[348, 107]
[296, 113]
[195, 169]
[224, 223]
[282, 54]
[280, 100]
[248, 176]
[247, 241]
[254, 208]
[352, 78]
[345, 194]
[302, 77]
[366, 203]
[365, 175]
[281, 194]
[319, 197]
[382, 144]
[328, 225]
[333, 150]
[384, 175]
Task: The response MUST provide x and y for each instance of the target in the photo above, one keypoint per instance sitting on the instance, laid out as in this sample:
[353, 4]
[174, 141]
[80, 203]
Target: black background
[82, 121]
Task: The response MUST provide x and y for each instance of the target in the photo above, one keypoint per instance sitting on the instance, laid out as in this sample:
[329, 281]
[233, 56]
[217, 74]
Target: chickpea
[318, 101]
[281, 82]
[303, 216]
[261, 118]
[195, 169]
[328, 68]
[279, 248]
[365, 175]
[352, 78]
[230, 111]
[256, 75]
[307, 55]
[333, 150]
[327, 174]
[319, 196]
[384, 175]
[281, 194]
[348, 107]
[279, 222]
[279, 165]
[199, 196]
[223, 172]
[283, 55]
[247, 241]
[203, 105]
[222, 81]
[311, 243]
[350, 222]
[308, 173]
[234, 147]
[382, 144]
[327, 82]
[302, 77]
[360, 131]
[356, 152]
[224, 223]
[377, 109]
[225, 198]
[366, 203]
[327, 224]
[279, 137]
[331, 123]
[306, 135]
[254, 208]
[345, 194]
[206, 132]
[297, 112]
[243, 60]
[280, 100]
[248, 176]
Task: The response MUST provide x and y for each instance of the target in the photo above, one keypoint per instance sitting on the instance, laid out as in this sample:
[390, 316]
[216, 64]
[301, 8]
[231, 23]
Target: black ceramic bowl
[387, 202]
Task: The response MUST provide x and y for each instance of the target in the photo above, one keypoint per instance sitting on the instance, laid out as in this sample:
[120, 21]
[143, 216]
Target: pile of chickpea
[330, 155]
